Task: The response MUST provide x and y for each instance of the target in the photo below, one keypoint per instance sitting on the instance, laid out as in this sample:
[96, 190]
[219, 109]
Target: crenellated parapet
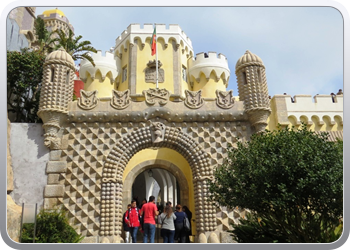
[135, 31]
[319, 113]
[205, 64]
[104, 64]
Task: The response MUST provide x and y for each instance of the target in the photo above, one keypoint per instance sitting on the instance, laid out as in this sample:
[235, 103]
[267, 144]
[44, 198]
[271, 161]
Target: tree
[45, 38]
[24, 74]
[288, 176]
[73, 46]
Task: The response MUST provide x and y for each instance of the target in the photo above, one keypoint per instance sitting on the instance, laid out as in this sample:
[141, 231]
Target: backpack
[138, 214]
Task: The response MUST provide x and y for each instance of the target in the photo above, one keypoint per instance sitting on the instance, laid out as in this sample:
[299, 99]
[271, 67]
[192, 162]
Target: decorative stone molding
[194, 99]
[88, 99]
[158, 130]
[120, 99]
[258, 118]
[224, 99]
[151, 74]
[52, 124]
[156, 95]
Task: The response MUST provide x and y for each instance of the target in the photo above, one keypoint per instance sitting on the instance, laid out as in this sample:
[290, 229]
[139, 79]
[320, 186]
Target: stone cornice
[171, 112]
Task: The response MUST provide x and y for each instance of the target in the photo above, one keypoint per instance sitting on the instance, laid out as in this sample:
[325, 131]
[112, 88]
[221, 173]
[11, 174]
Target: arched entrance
[120, 164]
[160, 183]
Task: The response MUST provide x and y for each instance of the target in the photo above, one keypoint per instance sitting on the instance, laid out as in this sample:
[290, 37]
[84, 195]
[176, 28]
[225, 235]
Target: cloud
[301, 47]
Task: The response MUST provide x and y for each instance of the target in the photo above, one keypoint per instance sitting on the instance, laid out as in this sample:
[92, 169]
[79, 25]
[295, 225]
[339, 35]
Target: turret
[252, 88]
[56, 92]
[209, 72]
[103, 76]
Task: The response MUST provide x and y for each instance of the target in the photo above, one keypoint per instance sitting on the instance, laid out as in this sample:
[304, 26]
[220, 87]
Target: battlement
[307, 103]
[136, 31]
[207, 62]
[104, 63]
[205, 57]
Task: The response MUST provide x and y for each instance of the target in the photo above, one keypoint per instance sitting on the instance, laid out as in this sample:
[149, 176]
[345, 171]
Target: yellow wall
[209, 87]
[165, 56]
[104, 87]
[124, 63]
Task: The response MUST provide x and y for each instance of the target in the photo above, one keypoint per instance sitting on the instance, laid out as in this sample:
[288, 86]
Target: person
[180, 233]
[126, 227]
[169, 204]
[148, 212]
[144, 201]
[189, 216]
[168, 228]
[132, 218]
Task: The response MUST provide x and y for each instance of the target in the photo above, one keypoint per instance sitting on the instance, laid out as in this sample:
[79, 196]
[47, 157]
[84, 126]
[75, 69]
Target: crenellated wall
[103, 75]
[209, 72]
[136, 31]
[320, 113]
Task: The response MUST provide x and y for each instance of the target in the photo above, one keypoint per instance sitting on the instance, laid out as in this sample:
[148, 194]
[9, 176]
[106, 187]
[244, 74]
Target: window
[125, 74]
[184, 74]
[68, 76]
[52, 74]
[244, 78]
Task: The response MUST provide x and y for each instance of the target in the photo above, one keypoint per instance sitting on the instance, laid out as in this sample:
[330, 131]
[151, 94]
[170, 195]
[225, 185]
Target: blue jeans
[149, 231]
[168, 235]
[133, 232]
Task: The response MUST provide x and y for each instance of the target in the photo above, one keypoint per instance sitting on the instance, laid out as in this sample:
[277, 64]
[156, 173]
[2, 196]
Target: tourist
[180, 233]
[126, 227]
[149, 212]
[132, 218]
[189, 216]
[144, 201]
[168, 228]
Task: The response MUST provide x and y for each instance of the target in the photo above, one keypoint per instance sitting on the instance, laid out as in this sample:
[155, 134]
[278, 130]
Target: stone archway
[172, 168]
[157, 135]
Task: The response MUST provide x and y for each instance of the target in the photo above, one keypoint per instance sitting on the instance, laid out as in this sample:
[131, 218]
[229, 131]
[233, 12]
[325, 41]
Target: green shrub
[267, 229]
[52, 226]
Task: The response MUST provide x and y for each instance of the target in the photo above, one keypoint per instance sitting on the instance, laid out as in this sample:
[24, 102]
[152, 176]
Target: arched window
[244, 77]
[68, 76]
[52, 74]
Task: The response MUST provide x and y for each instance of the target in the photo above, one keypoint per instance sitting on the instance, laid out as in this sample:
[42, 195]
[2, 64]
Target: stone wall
[29, 159]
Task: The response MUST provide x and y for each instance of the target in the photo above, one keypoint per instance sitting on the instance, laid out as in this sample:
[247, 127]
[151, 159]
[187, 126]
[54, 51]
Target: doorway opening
[158, 182]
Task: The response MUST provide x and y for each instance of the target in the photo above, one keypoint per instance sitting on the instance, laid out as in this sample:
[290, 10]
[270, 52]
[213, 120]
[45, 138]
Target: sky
[301, 47]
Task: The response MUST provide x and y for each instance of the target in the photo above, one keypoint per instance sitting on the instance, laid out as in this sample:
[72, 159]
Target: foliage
[266, 228]
[24, 74]
[292, 177]
[44, 37]
[73, 46]
[52, 226]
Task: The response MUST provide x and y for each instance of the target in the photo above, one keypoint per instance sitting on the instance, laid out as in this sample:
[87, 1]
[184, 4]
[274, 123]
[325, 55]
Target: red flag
[153, 42]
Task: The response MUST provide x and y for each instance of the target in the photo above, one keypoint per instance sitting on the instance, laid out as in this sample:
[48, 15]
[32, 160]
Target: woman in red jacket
[132, 218]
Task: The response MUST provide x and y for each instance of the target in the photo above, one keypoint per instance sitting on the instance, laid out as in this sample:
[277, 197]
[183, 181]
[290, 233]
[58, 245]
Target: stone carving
[120, 99]
[88, 99]
[224, 99]
[194, 99]
[151, 74]
[51, 141]
[156, 95]
[158, 130]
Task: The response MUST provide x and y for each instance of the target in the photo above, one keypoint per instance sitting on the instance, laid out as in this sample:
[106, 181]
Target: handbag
[186, 224]
[161, 223]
